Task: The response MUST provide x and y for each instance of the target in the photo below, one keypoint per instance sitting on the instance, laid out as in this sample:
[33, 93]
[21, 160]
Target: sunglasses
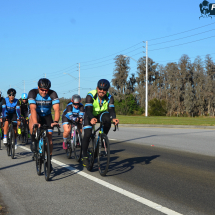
[102, 89]
[11, 95]
[76, 103]
[44, 90]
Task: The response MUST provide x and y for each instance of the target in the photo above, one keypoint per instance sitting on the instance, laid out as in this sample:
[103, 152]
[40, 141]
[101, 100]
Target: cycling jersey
[23, 106]
[1, 103]
[71, 113]
[10, 108]
[93, 107]
[43, 104]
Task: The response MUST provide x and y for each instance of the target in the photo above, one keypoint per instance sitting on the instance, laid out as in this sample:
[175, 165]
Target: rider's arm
[4, 108]
[56, 108]
[32, 105]
[56, 105]
[89, 107]
[68, 112]
[81, 113]
[18, 110]
[111, 108]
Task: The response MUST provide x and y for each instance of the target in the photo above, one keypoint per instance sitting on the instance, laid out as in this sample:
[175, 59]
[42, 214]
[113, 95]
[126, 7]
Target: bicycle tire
[46, 162]
[103, 154]
[91, 153]
[8, 143]
[77, 145]
[26, 135]
[38, 160]
[0, 136]
[12, 143]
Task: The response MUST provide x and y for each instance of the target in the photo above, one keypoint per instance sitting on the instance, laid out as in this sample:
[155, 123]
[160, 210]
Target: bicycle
[99, 148]
[24, 130]
[1, 134]
[11, 139]
[74, 142]
[42, 153]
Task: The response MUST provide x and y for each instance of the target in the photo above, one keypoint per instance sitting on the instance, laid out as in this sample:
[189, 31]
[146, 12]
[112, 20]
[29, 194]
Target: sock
[5, 135]
[64, 139]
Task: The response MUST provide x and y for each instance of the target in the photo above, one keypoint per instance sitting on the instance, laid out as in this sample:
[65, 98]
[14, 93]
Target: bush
[157, 107]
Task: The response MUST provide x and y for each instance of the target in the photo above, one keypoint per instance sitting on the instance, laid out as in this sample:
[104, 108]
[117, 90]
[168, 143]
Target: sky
[49, 38]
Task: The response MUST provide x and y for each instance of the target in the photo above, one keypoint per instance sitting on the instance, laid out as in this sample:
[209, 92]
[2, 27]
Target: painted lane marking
[115, 188]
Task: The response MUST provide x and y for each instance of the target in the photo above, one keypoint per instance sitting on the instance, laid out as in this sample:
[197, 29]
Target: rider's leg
[105, 118]
[87, 133]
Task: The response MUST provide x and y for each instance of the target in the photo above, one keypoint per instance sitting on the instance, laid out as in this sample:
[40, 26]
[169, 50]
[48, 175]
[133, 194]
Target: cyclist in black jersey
[23, 103]
[41, 101]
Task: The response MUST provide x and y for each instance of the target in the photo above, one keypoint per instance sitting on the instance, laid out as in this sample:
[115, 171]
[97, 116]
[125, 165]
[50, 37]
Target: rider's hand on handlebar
[115, 121]
[38, 124]
[93, 121]
[54, 123]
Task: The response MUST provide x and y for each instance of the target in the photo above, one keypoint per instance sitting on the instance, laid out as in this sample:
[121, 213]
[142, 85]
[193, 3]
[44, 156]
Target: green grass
[164, 120]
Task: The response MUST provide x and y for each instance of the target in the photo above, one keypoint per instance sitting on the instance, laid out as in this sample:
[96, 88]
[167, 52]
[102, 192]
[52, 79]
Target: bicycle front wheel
[12, 143]
[38, 160]
[91, 153]
[77, 141]
[103, 154]
[47, 161]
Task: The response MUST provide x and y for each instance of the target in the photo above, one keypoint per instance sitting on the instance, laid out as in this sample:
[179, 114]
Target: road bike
[74, 142]
[24, 130]
[11, 139]
[42, 152]
[99, 147]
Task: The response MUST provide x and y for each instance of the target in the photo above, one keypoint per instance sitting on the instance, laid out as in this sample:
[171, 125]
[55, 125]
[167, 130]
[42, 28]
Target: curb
[167, 126]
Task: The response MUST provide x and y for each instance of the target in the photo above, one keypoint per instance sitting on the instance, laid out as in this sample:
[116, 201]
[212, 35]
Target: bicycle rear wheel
[26, 135]
[77, 145]
[103, 154]
[91, 153]
[69, 149]
[47, 161]
[12, 143]
[0, 136]
[8, 143]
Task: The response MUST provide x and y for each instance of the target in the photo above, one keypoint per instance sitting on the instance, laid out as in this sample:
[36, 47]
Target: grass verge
[161, 120]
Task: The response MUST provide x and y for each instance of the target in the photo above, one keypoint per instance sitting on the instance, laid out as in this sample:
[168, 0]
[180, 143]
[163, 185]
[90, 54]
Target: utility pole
[24, 86]
[79, 84]
[146, 104]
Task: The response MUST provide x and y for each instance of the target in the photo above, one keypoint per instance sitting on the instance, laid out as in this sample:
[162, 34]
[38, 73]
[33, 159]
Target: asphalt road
[172, 173]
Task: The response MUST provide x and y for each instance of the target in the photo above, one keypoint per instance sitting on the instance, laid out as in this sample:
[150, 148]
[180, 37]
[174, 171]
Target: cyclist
[74, 112]
[10, 111]
[23, 103]
[41, 101]
[1, 103]
[99, 107]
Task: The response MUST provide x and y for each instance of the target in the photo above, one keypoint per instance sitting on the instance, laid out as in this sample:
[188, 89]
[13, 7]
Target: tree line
[178, 88]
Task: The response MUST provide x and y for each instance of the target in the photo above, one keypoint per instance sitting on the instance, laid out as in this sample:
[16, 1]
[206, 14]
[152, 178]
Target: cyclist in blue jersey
[10, 111]
[41, 101]
[74, 112]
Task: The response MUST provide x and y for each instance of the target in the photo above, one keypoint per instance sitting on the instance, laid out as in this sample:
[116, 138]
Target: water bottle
[40, 145]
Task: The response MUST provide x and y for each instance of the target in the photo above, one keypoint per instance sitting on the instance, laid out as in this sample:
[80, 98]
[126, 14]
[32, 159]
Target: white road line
[112, 139]
[115, 188]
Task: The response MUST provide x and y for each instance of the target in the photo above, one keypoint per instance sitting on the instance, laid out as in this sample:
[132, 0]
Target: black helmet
[44, 83]
[103, 84]
[11, 91]
[76, 99]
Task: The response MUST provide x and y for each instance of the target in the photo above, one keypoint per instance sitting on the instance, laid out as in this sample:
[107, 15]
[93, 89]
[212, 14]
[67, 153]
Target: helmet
[76, 99]
[103, 84]
[0, 93]
[11, 90]
[24, 96]
[44, 83]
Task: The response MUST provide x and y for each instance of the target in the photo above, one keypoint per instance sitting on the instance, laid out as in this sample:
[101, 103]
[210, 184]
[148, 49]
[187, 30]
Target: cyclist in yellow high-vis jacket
[99, 107]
